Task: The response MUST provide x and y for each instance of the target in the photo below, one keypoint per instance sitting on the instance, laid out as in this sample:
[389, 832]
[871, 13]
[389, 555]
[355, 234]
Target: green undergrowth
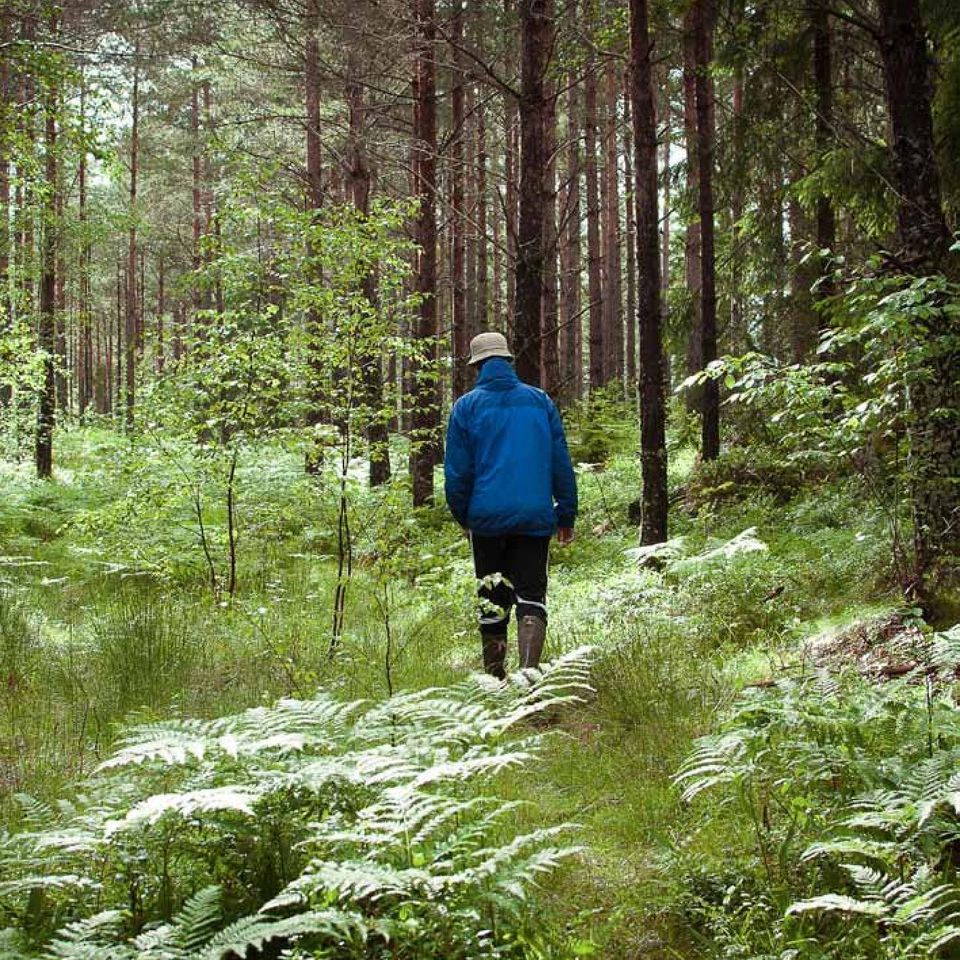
[109, 616]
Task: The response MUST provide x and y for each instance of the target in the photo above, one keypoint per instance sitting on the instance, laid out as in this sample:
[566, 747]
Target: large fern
[312, 820]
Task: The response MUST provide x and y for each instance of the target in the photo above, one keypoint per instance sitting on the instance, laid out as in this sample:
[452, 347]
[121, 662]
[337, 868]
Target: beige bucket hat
[486, 345]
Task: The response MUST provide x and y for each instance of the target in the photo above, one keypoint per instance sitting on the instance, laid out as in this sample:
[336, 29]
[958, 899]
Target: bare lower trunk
[925, 240]
[425, 414]
[535, 34]
[594, 282]
[653, 448]
[47, 323]
[612, 305]
[549, 317]
[570, 347]
[703, 13]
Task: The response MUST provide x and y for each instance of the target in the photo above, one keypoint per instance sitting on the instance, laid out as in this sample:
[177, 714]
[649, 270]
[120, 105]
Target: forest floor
[107, 615]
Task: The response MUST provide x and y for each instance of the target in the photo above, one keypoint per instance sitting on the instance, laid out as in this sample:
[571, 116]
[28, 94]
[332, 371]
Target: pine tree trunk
[318, 410]
[161, 309]
[132, 314]
[823, 79]
[461, 340]
[706, 137]
[693, 263]
[6, 96]
[570, 346]
[425, 414]
[612, 301]
[549, 316]
[594, 282]
[535, 44]
[481, 320]
[737, 340]
[631, 235]
[196, 192]
[934, 460]
[46, 330]
[653, 448]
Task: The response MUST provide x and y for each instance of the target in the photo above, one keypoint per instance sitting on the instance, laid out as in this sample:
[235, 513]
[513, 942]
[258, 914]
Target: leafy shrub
[356, 830]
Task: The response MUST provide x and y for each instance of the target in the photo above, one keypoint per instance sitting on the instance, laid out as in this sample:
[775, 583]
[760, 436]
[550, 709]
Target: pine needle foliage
[342, 829]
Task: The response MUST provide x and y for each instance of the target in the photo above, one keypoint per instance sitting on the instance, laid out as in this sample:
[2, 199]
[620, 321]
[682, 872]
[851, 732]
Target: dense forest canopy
[245, 246]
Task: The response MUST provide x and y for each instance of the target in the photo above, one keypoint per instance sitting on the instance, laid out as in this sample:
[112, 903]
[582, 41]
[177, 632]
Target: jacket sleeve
[564, 479]
[458, 467]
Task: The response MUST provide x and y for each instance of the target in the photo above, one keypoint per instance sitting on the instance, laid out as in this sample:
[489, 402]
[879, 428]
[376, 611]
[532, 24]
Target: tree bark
[706, 142]
[594, 282]
[653, 447]
[570, 345]
[461, 347]
[934, 459]
[480, 321]
[612, 299]
[196, 191]
[6, 97]
[693, 264]
[425, 416]
[549, 316]
[630, 348]
[535, 45]
[46, 330]
[823, 79]
[132, 311]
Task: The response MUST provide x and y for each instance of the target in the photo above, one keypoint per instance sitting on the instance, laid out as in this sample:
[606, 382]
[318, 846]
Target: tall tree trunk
[316, 411]
[630, 348]
[510, 194]
[693, 263]
[570, 347]
[823, 79]
[458, 278]
[612, 301]
[132, 316]
[667, 200]
[737, 339]
[481, 320]
[161, 310]
[359, 179]
[653, 447]
[425, 415]
[924, 249]
[46, 332]
[535, 48]
[61, 380]
[703, 32]
[196, 191]
[549, 316]
[594, 283]
[6, 97]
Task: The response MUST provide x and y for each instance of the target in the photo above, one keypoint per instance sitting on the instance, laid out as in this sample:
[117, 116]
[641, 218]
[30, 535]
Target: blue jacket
[507, 469]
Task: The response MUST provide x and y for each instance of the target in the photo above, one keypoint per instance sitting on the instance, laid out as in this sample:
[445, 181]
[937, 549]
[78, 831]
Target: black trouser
[512, 569]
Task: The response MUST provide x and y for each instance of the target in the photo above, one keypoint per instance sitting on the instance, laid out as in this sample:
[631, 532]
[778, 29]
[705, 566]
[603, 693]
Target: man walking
[510, 485]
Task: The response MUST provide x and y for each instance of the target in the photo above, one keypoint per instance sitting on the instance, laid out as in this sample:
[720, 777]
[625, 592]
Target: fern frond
[93, 938]
[836, 903]
[184, 936]
[232, 799]
[255, 932]
[170, 741]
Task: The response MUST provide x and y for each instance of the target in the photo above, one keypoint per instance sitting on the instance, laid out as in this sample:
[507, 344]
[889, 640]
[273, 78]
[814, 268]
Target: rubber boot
[531, 633]
[494, 654]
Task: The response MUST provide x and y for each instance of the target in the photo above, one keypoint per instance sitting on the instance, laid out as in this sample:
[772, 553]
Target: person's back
[507, 458]
[510, 483]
